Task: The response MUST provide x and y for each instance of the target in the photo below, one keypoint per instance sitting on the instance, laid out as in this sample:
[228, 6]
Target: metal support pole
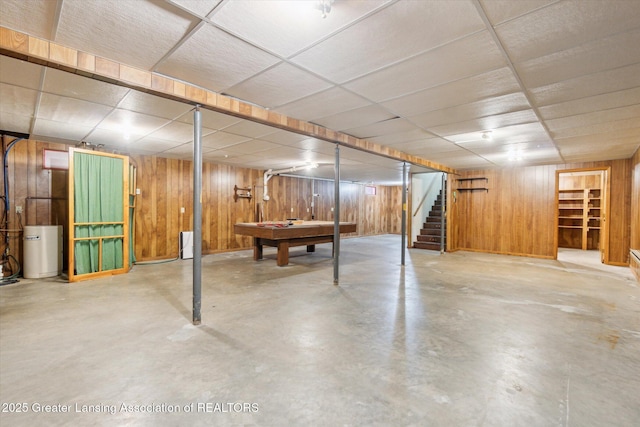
[336, 218]
[404, 211]
[197, 215]
[443, 212]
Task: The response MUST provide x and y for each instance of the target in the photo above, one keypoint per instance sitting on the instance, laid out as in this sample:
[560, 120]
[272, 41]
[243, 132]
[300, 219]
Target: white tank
[42, 251]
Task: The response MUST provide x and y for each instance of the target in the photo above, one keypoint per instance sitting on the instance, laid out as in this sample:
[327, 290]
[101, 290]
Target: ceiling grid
[544, 81]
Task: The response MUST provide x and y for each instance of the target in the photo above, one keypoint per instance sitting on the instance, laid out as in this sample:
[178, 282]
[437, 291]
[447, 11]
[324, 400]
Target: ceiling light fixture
[324, 6]
[516, 155]
[487, 136]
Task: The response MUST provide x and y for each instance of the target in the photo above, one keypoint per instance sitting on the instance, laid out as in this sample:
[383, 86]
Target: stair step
[430, 232]
[431, 219]
[425, 245]
[437, 213]
[429, 238]
[431, 225]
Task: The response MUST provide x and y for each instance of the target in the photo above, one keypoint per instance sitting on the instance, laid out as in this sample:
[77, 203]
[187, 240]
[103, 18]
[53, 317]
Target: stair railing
[424, 197]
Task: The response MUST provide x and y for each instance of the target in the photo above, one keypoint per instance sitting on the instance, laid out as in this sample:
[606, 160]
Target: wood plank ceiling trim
[25, 47]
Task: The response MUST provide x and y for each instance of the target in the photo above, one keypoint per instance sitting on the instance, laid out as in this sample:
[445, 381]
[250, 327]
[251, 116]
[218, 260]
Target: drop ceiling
[468, 84]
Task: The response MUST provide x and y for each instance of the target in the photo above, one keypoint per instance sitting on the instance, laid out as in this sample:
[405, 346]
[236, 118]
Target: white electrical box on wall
[186, 244]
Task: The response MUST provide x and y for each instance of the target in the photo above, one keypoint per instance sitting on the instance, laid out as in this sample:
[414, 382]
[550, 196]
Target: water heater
[42, 251]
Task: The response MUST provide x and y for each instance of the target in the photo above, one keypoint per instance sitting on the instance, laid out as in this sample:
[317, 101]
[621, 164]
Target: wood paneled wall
[42, 193]
[166, 186]
[635, 202]
[517, 215]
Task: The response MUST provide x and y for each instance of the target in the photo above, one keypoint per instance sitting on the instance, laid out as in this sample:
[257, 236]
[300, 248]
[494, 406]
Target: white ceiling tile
[211, 119]
[322, 104]
[519, 156]
[222, 139]
[251, 147]
[288, 156]
[34, 17]
[215, 60]
[492, 83]
[147, 29]
[284, 137]
[585, 148]
[379, 41]
[131, 123]
[427, 147]
[278, 85]
[530, 132]
[590, 85]
[565, 24]
[79, 87]
[154, 144]
[185, 151]
[472, 55]
[110, 138]
[285, 27]
[402, 137]
[60, 109]
[499, 11]
[15, 122]
[220, 156]
[17, 100]
[249, 129]
[586, 59]
[50, 128]
[486, 123]
[199, 7]
[174, 131]
[612, 129]
[20, 73]
[486, 107]
[358, 117]
[386, 127]
[591, 104]
[154, 105]
[585, 121]
[315, 144]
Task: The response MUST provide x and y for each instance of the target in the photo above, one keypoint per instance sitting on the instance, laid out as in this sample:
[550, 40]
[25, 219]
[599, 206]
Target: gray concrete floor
[463, 339]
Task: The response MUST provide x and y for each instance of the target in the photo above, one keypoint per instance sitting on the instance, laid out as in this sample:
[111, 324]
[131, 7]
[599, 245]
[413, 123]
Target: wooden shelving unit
[579, 218]
[471, 180]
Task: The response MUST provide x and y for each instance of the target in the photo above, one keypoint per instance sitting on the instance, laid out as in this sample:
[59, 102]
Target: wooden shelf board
[474, 189]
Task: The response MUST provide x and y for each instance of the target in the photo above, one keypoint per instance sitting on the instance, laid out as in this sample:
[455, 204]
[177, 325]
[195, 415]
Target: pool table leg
[257, 249]
[283, 253]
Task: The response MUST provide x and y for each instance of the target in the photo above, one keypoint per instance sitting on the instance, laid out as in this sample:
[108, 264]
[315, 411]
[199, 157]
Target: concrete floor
[463, 339]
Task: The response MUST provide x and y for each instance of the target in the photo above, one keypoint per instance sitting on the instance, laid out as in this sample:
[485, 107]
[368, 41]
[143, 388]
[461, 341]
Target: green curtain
[98, 197]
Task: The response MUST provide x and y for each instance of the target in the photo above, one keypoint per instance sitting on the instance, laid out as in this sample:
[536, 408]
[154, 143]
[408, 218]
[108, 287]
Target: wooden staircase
[430, 233]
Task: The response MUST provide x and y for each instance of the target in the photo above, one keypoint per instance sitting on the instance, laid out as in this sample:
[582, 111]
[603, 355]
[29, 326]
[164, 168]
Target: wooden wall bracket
[241, 193]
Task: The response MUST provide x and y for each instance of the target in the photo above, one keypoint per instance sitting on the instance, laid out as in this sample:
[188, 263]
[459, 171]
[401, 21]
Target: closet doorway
[582, 214]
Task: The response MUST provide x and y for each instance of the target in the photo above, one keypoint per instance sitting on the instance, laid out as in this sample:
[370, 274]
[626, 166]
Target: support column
[404, 211]
[336, 218]
[197, 215]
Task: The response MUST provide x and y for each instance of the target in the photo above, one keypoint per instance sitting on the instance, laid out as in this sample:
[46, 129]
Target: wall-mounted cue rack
[471, 182]
[241, 193]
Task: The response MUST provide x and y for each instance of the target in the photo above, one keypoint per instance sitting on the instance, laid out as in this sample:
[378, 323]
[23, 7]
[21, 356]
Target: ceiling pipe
[270, 174]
